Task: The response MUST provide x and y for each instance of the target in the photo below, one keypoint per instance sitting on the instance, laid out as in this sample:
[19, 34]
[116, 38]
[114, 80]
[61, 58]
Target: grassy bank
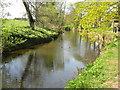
[16, 34]
[103, 73]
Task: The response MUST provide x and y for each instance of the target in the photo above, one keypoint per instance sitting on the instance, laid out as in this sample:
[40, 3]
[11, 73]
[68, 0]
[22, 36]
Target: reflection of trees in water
[74, 40]
[59, 59]
[84, 50]
[48, 59]
[77, 57]
[8, 57]
[91, 50]
[52, 58]
[80, 39]
[12, 71]
[54, 61]
[31, 73]
[0, 69]
[25, 73]
[41, 64]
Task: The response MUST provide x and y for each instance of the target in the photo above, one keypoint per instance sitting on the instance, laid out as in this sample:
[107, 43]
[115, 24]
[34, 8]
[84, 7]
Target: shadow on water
[25, 73]
[50, 65]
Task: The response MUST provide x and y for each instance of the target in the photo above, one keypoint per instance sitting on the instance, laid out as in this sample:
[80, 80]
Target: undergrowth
[15, 32]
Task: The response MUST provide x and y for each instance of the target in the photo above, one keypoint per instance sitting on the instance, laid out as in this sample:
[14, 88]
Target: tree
[95, 14]
[61, 13]
[119, 12]
[49, 17]
[46, 14]
[31, 20]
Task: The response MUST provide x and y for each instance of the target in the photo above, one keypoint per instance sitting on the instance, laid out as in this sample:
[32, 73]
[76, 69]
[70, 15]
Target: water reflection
[50, 65]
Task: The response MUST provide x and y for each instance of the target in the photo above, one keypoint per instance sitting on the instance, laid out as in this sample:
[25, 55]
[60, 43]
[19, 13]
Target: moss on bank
[103, 73]
[16, 34]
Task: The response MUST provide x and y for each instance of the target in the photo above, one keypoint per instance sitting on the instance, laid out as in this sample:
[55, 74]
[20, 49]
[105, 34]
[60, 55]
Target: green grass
[10, 22]
[16, 32]
[100, 72]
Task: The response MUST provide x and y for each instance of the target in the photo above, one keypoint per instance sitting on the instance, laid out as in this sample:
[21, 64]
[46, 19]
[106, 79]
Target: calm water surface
[50, 65]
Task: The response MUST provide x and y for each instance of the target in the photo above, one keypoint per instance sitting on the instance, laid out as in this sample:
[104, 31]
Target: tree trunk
[36, 17]
[31, 20]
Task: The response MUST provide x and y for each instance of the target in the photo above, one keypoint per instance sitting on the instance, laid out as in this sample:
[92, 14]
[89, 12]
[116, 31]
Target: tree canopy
[94, 14]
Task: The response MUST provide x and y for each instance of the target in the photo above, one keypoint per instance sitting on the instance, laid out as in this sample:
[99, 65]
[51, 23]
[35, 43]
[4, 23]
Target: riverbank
[16, 34]
[103, 73]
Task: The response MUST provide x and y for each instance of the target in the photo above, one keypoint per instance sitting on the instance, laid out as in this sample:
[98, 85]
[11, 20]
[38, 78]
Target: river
[49, 65]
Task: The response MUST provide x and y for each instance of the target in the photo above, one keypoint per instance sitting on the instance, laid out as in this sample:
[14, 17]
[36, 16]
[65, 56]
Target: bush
[16, 32]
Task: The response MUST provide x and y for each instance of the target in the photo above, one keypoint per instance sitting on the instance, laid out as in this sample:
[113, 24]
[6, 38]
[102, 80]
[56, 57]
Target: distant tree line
[24, 19]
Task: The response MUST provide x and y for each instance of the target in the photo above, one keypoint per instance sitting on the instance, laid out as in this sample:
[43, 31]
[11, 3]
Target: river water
[49, 65]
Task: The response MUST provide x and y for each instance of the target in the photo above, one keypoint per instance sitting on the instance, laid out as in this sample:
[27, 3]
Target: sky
[17, 9]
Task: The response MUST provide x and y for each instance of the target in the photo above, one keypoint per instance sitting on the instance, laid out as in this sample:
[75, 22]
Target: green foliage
[16, 32]
[110, 45]
[95, 14]
[67, 26]
[69, 17]
[94, 33]
[47, 15]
